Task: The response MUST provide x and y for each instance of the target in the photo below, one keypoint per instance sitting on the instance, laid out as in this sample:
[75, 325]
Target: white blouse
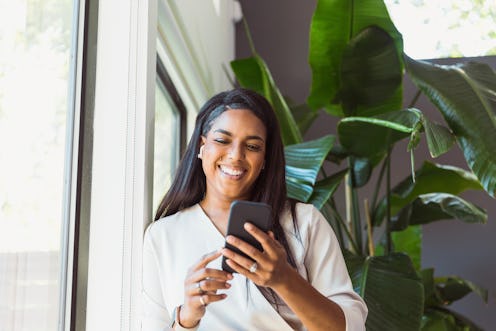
[174, 243]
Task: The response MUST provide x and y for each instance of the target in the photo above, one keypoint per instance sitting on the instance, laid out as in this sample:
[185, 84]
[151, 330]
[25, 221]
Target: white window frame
[121, 163]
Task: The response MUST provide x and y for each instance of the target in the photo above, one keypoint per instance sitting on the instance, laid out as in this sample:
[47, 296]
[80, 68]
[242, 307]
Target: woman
[299, 281]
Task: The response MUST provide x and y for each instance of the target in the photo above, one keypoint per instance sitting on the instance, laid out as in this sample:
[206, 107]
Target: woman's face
[233, 154]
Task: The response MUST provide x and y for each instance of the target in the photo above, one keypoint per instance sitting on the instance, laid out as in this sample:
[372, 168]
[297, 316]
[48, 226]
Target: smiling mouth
[231, 172]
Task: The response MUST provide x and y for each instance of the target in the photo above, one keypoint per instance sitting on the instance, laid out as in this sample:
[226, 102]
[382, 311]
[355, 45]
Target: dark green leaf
[431, 295]
[371, 136]
[430, 178]
[371, 72]
[334, 23]
[438, 206]
[435, 320]
[325, 188]
[361, 171]
[465, 96]
[249, 74]
[304, 116]
[439, 319]
[391, 288]
[453, 288]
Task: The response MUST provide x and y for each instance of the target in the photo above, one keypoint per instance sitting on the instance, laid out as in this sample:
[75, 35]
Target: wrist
[178, 325]
[287, 283]
[185, 321]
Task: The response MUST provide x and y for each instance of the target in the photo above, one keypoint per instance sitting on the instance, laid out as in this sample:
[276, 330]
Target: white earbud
[200, 154]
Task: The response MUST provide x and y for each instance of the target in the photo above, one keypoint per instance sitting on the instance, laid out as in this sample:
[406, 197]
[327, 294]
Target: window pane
[445, 28]
[167, 143]
[35, 43]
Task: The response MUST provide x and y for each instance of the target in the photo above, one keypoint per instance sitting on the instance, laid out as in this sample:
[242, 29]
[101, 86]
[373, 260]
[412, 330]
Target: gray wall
[280, 32]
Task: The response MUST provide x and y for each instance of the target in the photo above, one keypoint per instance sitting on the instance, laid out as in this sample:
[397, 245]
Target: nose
[236, 152]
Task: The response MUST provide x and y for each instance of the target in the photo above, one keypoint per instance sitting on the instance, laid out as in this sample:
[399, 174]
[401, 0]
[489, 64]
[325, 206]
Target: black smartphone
[257, 213]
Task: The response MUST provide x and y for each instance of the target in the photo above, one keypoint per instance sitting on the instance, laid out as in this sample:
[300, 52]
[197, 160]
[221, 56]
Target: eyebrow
[227, 133]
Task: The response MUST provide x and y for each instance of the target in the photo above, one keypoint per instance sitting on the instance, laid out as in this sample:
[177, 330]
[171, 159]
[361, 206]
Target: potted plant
[358, 64]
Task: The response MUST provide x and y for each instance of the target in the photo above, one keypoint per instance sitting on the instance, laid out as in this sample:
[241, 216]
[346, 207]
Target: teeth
[231, 171]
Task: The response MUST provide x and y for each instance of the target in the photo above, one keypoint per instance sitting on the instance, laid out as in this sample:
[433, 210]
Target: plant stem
[248, 36]
[352, 198]
[415, 98]
[388, 203]
[351, 241]
[329, 213]
[369, 228]
[378, 185]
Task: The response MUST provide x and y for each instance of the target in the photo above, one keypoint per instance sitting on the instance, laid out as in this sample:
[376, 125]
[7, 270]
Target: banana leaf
[325, 188]
[371, 74]
[437, 206]
[334, 24]
[372, 136]
[442, 291]
[303, 162]
[409, 242]
[446, 320]
[391, 288]
[304, 116]
[439, 138]
[465, 95]
[430, 178]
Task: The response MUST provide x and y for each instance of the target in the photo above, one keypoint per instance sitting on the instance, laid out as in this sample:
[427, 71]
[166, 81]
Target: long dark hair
[189, 184]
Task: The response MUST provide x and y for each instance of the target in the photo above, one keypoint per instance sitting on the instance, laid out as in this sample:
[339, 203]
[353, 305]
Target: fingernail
[248, 226]
[228, 285]
[230, 276]
[229, 239]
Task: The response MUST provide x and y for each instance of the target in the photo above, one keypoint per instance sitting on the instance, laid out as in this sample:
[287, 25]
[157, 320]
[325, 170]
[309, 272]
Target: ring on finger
[198, 287]
[253, 267]
[204, 304]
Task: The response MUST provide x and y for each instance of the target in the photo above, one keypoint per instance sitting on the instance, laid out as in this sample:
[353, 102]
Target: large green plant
[357, 60]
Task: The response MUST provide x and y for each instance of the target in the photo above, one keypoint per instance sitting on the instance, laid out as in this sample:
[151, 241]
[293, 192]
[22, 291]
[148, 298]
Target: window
[36, 86]
[437, 29]
[170, 132]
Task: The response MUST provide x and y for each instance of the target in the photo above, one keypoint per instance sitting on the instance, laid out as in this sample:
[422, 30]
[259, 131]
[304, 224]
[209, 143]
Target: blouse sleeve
[327, 271]
[155, 316]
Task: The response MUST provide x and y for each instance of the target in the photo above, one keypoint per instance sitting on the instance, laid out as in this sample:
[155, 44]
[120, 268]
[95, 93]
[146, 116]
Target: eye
[254, 148]
[221, 141]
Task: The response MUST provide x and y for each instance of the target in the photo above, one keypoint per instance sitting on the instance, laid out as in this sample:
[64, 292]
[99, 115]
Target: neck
[218, 211]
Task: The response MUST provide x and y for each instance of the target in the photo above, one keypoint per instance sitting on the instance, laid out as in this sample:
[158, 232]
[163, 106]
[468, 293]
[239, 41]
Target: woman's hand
[271, 266]
[200, 289]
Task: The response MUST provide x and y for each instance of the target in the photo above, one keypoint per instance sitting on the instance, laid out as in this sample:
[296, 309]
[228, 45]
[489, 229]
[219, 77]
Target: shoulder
[307, 215]
[308, 220]
[171, 224]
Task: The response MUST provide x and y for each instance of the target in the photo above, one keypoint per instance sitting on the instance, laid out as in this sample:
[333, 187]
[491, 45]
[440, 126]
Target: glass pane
[167, 143]
[445, 28]
[35, 43]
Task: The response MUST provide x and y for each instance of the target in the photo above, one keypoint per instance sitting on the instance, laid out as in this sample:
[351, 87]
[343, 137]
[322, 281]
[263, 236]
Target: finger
[209, 273]
[206, 299]
[207, 286]
[206, 259]
[244, 247]
[269, 244]
[241, 270]
[239, 259]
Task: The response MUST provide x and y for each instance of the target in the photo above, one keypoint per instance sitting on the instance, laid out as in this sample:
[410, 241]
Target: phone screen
[257, 213]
